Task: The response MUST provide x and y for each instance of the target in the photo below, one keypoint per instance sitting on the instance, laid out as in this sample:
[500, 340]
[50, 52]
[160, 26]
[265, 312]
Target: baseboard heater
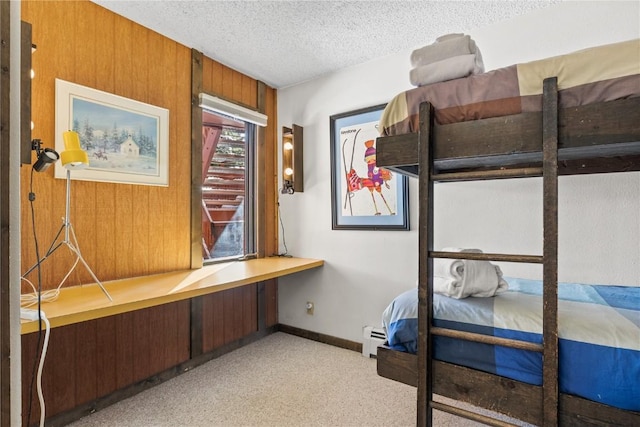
[372, 338]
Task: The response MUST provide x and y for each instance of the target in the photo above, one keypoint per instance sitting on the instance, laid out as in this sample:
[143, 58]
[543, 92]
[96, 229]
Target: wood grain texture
[592, 132]
[86, 354]
[126, 231]
[123, 230]
[26, 49]
[6, 325]
[61, 369]
[83, 303]
[550, 387]
[213, 322]
[222, 81]
[106, 372]
[582, 127]
[499, 393]
[197, 172]
[93, 359]
[271, 176]
[271, 298]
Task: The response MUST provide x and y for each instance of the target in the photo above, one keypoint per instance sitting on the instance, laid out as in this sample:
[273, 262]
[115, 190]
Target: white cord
[30, 314]
[41, 366]
[27, 300]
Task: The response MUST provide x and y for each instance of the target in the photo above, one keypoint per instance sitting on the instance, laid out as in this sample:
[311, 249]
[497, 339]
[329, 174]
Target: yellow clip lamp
[73, 156]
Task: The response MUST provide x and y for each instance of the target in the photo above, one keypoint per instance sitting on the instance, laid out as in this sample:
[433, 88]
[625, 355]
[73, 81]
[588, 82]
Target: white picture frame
[127, 141]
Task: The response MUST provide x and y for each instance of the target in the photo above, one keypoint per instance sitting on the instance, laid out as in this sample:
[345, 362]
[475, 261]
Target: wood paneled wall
[220, 80]
[6, 323]
[123, 230]
[90, 360]
[240, 322]
[131, 230]
[92, 364]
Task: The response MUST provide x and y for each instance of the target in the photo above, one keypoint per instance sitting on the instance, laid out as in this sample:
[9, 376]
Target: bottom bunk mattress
[598, 328]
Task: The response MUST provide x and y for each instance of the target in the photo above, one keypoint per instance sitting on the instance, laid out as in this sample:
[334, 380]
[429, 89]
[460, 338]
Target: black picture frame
[363, 196]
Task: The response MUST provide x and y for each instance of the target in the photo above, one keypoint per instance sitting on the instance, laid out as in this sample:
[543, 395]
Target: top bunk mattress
[598, 74]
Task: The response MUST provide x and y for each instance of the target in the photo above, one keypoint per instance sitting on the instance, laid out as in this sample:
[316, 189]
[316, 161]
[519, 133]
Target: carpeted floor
[281, 380]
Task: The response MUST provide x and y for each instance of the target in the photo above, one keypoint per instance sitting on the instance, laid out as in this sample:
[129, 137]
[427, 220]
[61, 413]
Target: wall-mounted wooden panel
[223, 81]
[271, 175]
[271, 297]
[228, 316]
[123, 230]
[128, 230]
[90, 360]
[6, 216]
[220, 80]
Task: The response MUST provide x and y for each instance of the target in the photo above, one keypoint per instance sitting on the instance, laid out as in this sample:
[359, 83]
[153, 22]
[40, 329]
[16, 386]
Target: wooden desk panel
[81, 303]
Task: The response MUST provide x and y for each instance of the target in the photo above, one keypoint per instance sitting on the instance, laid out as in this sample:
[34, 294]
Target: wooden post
[550, 252]
[196, 159]
[5, 277]
[425, 268]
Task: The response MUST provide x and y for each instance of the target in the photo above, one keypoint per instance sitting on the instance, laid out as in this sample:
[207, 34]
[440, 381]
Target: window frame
[249, 235]
[266, 157]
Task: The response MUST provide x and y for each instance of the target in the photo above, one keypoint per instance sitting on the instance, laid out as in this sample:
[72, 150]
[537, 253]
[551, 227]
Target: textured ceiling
[283, 43]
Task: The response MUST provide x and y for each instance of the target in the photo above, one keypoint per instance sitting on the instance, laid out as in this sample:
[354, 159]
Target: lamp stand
[69, 241]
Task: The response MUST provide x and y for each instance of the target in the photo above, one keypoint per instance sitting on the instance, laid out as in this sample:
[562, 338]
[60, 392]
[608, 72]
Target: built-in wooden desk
[81, 303]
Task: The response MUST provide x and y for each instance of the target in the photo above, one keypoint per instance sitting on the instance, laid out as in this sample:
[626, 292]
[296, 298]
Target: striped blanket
[599, 331]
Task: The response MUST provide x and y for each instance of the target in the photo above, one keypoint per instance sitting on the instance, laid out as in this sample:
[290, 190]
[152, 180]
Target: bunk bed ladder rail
[549, 260]
[550, 252]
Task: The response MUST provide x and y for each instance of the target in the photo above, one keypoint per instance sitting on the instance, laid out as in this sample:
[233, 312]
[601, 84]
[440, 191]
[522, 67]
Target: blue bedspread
[599, 330]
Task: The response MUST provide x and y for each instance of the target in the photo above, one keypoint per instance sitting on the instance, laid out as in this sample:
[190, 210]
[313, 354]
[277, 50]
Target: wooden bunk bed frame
[595, 138]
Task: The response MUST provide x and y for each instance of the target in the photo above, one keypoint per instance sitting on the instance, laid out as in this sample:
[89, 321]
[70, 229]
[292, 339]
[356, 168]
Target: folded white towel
[444, 47]
[449, 37]
[447, 69]
[462, 278]
[451, 268]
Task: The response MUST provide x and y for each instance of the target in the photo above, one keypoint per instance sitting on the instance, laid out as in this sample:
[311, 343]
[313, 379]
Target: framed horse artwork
[364, 196]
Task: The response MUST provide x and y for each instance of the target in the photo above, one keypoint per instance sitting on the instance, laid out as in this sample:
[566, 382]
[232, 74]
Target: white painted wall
[599, 215]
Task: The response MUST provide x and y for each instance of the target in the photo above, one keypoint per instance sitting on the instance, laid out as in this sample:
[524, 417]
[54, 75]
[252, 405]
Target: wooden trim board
[323, 338]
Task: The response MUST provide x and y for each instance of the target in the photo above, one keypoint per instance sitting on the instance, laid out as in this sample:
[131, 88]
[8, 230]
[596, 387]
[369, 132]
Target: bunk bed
[582, 116]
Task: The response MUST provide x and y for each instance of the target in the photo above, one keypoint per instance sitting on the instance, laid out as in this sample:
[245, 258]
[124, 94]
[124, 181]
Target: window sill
[87, 302]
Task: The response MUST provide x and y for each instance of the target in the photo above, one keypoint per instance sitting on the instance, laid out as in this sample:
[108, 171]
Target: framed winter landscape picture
[127, 141]
[364, 196]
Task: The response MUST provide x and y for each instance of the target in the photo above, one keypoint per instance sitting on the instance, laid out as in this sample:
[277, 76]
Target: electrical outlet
[310, 307]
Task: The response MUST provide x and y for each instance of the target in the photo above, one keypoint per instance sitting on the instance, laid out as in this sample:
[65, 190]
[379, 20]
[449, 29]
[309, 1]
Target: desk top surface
[81, 303]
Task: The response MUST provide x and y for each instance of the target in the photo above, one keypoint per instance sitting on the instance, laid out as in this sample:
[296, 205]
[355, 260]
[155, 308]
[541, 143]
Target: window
[228, 208]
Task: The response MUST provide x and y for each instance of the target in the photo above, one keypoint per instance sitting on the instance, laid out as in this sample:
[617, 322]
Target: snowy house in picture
[130, 148]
